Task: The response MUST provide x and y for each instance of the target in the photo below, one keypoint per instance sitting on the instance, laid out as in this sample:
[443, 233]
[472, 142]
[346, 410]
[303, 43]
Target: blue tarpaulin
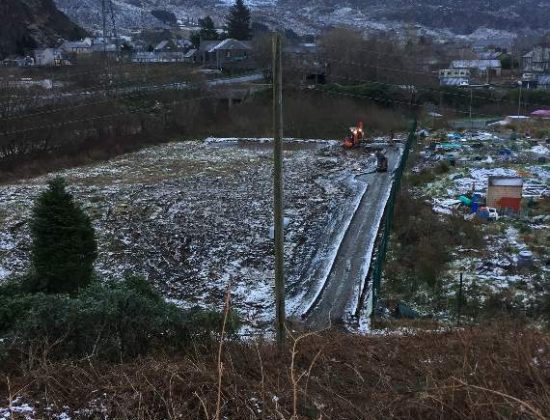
[454, 136]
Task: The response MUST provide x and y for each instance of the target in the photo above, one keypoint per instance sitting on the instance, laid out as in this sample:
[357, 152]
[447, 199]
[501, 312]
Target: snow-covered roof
[539, 54]
[161, 45]
[190, 53]
[85, 43]
[476, 64]
[489, 55]
[230, 44]
[207, 45]
[53, 51]
[505, 181]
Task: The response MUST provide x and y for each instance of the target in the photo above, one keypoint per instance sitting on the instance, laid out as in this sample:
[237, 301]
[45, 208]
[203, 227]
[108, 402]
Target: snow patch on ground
[329, 261]
[364, 319]
[540, 150]
[194, 217]
[16, 410]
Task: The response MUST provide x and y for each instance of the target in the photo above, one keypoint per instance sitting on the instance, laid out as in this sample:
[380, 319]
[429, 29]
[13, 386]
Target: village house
[50, 57]
[535, 81]
[158, 57]
[166, 46]
[544, 81]
[505, 193]
[304, 60]
[454, 77]
[77, 47]
[26, 61]
[536, 61]
[167, 51]
[479, 67]
[490, 55]
[191, 56]
[229, 54]
[105, 45]
[90, 45]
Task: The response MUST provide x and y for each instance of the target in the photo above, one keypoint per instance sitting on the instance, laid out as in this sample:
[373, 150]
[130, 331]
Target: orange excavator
[354, 138]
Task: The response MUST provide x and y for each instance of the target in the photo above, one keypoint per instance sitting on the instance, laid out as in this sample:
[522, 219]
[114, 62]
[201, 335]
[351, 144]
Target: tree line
[237, 26]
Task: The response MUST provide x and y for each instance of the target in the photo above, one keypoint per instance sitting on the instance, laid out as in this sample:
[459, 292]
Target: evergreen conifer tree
[63, 243]
[208, 30]
[238, 21]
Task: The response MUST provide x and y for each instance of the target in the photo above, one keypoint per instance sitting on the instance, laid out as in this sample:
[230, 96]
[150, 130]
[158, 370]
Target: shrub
[442, 168]
[63, 245]
[422, 178]
[205, 322]
[114, 321]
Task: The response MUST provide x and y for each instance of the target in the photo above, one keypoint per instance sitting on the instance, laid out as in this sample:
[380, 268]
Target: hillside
[442, 18]
[28, 24]
[460, 17]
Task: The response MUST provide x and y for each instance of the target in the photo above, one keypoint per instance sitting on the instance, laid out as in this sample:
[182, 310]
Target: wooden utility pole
[519, 98]
[459, 303]
[278, 189]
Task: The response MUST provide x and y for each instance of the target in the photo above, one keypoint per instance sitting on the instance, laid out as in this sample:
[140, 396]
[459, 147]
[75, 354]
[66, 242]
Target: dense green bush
[115, 320]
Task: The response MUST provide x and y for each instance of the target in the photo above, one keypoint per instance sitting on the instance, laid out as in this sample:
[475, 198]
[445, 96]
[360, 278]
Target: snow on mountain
[440, 17]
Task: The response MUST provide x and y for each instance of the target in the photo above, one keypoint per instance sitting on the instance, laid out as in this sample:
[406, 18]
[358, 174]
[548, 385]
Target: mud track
[351, 262]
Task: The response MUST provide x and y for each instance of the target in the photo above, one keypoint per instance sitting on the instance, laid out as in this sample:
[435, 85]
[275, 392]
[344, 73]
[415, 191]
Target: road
[350, 265]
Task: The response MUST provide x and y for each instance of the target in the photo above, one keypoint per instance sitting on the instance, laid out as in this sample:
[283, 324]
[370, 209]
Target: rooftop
[230, 44]
[479, 64]
[505, 181]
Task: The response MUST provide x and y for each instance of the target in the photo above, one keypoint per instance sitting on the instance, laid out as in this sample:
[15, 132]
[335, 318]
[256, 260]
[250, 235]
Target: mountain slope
[456, 16]
[133, 13]
[27, 24]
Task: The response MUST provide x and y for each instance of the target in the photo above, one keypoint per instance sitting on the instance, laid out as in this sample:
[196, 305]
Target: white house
[480, 66]
[454, 77]
[83, 46]
[49, 57]
[537, 61]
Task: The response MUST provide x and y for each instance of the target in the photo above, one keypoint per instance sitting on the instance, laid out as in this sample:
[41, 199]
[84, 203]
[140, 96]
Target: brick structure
[504, 193]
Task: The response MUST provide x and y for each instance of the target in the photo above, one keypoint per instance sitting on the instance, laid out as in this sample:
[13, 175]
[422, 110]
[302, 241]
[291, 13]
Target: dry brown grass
[484, 373]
